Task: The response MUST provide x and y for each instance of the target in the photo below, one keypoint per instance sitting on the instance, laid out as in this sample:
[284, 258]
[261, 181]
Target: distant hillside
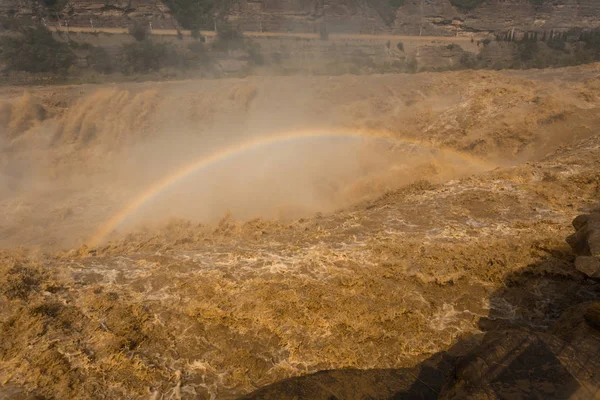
[405, 17]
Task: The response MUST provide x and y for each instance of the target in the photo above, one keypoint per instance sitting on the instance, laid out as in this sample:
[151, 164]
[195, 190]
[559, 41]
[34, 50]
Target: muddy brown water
[292, 259]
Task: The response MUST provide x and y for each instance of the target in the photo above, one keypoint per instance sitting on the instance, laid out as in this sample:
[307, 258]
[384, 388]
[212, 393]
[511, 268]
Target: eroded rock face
[578, 323]
[518, 364]
[413, 17]
[586, 244]
[440, 17]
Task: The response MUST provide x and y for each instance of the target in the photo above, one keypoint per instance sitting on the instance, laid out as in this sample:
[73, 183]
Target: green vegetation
[35, 50]
[228, 38]
[99, 60]
[591, 42]
[139, 30]
[412, 65]
[197, 54]
[144, 56]
[255, 57]
[195, 33]
[527, 50]
[557, 43]
[147, 56]
[38, 50]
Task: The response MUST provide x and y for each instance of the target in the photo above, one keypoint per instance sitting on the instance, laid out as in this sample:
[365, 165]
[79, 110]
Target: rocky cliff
[440, 17]
[403, 17]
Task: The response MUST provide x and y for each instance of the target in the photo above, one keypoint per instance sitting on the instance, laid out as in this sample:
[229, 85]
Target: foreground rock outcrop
[520, 364]
[586, 244]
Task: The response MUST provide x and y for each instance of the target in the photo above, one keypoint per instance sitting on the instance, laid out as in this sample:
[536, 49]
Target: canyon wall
[401, 17]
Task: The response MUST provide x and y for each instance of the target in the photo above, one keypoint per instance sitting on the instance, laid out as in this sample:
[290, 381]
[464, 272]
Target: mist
[71, 163]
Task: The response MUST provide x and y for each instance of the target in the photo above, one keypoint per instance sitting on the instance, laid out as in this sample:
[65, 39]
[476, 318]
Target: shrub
[197, 35]
[55, 5]
[144, 56]
[139, 30]
[228, 38]
[557, 43]
[196, 14]
[198, 54]
[35, 50]
[583, 56]
[468, 60]
[592, 42]
[412, 65]
[254, 55]
[100, 61]
[362, 60]
[148, 56]
[527, 50]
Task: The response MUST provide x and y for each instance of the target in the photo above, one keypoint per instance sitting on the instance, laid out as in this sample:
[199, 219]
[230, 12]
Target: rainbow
[101, 235]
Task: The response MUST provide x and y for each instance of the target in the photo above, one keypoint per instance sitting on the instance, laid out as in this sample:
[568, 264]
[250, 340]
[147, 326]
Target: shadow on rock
[422, 382]
[541, 340]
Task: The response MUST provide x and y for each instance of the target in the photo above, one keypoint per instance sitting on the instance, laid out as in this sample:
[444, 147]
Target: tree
[197, 14]
[228, 37]
[139, 30]
[35, 50]
[100, 60]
